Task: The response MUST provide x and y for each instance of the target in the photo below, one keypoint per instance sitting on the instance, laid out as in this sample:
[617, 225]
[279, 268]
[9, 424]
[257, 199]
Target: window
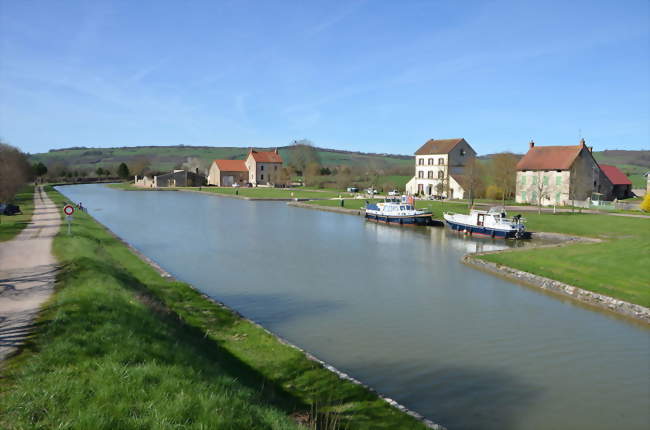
[430, 174]
[523, 180]
[557, 197]
[523, 196]
[275, 168]
[545, 180]
[441, 174]
[534, 196]
[534, 180]
[421, 161]
[558, 180]
[262, 167]
[430, 161]
[441, 161]
[262, 177]
[421, 174]
[462, 152]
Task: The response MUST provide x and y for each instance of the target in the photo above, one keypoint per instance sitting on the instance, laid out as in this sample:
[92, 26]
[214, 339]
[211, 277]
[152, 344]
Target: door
[480, 220]
[227, 181]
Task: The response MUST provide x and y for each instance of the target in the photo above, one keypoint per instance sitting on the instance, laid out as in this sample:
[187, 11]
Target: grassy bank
[118, 346]
[10, 226]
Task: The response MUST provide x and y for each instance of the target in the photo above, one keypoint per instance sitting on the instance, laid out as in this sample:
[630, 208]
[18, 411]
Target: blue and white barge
[493, 223]
[397, 211]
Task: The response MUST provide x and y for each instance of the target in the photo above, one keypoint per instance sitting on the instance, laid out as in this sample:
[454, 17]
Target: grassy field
[118, 346]
[10, 226]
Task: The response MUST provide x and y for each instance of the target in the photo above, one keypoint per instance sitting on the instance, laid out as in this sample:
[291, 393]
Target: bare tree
[473, 180]
[140, 166]
[504, 171]
[15, 171]
[310, 175]
[343, 177]
[195, 164]
[302, 154]
[541, 188]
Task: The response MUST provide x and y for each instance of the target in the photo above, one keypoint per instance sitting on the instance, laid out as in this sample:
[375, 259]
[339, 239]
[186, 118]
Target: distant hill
[166, 157]
[162, 158]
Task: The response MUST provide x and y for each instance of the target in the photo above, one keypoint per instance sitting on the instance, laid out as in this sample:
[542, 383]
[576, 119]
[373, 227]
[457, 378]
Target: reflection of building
[439, 168]
[562, 174]
[259, 168]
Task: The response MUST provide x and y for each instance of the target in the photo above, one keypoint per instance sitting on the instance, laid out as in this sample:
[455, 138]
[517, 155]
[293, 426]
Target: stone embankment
[621, 307]
[342, 210]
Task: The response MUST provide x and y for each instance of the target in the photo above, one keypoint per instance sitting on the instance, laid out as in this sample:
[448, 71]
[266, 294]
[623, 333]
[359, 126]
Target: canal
[395, 308]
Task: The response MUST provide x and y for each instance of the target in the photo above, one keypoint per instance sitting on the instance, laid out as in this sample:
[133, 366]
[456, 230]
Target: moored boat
[397, 211]
[493, 223]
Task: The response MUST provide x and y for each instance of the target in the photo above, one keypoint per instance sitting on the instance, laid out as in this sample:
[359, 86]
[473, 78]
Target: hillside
[161, 158]
[166, 157]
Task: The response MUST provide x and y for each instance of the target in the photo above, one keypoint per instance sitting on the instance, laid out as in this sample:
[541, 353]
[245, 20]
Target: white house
[439, 168]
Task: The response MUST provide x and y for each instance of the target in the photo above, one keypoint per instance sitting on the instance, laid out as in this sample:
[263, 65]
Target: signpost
[68, 210]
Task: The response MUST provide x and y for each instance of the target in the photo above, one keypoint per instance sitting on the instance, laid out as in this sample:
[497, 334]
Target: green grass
[118, 346]
[11, 226]
[617, 267]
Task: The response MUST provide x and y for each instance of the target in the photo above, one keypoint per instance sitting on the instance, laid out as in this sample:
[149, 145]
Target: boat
[399, 211]
[492, 223]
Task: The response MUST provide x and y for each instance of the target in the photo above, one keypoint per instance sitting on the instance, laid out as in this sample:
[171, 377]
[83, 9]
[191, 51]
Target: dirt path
[27, 273]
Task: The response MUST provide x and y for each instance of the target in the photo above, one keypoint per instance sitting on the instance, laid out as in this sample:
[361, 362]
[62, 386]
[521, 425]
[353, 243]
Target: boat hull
[484, 231]
[408, 220]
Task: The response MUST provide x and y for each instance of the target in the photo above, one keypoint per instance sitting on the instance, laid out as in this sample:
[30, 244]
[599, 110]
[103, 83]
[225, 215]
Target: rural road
[27, 273]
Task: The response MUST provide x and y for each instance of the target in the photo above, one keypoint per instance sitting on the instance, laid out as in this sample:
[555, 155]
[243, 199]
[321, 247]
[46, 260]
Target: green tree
[39, 169]
[123, 171]
[99, 171]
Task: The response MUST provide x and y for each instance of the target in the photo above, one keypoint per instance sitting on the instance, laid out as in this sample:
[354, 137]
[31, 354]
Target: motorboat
[492, 223]
[399, 211]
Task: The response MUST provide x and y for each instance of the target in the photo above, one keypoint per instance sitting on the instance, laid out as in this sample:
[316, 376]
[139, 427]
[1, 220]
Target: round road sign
[68, 209]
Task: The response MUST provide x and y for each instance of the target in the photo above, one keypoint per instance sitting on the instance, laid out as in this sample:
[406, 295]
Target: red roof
[266, 156]
[231, 165]
[615, 175]
[440, 146]
[550, 157]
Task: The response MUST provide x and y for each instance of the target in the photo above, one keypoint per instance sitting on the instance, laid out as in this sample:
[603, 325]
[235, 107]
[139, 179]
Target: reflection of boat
[492, 223]
[397, 211]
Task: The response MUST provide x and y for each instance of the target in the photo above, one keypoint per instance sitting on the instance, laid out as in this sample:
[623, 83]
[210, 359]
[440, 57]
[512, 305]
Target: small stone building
[179, 178]
[621, 184]
[560, 175]
[226, 173]
[440, 168]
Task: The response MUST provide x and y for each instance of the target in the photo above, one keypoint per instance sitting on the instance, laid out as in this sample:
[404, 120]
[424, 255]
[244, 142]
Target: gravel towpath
[27, 273]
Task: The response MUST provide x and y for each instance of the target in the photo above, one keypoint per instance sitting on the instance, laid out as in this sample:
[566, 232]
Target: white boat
[492, 223]
[397, 211]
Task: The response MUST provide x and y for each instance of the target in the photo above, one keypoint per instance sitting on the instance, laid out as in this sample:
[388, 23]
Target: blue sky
[374, 76]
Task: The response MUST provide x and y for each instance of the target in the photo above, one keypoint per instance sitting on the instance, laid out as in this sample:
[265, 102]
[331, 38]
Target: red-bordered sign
[68, 210]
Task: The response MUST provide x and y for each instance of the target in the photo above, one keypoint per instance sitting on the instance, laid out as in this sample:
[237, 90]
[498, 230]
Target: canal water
[395, 308]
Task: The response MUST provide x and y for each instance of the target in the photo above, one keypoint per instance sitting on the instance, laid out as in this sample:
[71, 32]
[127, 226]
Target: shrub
[494, 192]
[645, 206]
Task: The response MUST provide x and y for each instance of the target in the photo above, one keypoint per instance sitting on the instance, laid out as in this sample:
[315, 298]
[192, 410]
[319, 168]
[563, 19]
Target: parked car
[371, 191]
[353, 190]
[10, 209]
[394, 193]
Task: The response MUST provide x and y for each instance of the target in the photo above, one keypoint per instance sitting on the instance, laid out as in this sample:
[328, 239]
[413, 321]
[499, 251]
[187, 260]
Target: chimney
[591, 148]
[197, 170]
[531, 143]
[582, 142]
[276, 150]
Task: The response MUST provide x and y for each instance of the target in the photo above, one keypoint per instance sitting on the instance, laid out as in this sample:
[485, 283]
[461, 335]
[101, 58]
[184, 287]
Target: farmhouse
[259, 168]
[179, 178]
[558, 175]
[440, 168]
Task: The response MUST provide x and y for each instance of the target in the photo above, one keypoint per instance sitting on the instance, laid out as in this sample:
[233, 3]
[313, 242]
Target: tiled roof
[549, 157]
[440, 146]
[266, 157]
[615, 176]
[231, 165]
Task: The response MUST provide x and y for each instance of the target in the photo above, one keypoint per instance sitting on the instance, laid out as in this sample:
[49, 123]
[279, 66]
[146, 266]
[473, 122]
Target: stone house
[143, 181]
[179, 178]
[226, 173]
[263, 166]
[621, 184]
[440, 168]
[560, 175]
